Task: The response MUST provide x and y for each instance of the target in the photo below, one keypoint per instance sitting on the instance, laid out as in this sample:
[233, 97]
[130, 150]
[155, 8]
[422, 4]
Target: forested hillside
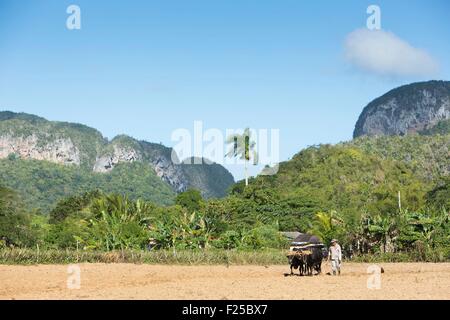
[41, 184]
[45, 161]
[362, 176]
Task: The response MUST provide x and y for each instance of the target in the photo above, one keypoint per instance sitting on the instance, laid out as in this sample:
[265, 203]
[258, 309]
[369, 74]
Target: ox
[297, 262]
[314, 261]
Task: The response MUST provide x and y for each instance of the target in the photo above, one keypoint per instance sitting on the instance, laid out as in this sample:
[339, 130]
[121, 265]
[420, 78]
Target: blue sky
[146, 68]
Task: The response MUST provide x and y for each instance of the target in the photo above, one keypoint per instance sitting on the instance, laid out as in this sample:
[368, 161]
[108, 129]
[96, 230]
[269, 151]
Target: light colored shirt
[335, 252]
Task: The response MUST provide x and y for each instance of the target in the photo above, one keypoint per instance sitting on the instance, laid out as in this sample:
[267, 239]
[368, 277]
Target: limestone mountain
[71, 158]
[412, 108]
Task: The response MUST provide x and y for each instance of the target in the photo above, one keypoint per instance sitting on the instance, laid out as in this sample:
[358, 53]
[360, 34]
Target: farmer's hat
[334, 241]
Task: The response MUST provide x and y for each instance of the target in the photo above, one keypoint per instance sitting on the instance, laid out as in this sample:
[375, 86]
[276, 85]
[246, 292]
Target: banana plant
[419, 226]
[119, 222]
[327, 225]
[183, 231]
[385, 228]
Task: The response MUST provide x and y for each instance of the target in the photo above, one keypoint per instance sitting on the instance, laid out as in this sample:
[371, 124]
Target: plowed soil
[126, 281]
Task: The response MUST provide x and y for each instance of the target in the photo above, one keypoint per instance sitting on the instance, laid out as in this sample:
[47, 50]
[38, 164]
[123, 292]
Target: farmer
[335, 255]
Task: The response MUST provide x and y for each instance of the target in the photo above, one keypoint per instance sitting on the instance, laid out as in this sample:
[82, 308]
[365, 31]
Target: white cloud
[384, 53]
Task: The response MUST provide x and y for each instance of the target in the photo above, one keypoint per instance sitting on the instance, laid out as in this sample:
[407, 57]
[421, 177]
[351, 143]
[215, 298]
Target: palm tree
[243, 147]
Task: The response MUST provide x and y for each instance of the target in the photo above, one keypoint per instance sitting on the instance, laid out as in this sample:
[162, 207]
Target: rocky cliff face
[30, 137]
[61, 151]
[408, 109]
[106, 163]
[171, 173]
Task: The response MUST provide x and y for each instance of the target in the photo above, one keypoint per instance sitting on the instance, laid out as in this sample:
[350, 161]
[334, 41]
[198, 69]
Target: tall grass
[185, 257]
[21, 256]
[435, 256]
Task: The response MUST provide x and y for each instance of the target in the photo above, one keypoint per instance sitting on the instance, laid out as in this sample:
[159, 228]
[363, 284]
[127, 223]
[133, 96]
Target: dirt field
[124, 281]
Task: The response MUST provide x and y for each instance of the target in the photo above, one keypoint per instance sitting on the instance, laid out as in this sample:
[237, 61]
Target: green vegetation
[326, 178]
[439, 195]
[41, 184]
[442, 128]
[348, 191]
[211, 178]
[168, 257]
[23, 256]
[100, 222]
[427, 156]
[191, 200]
[15, 225]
